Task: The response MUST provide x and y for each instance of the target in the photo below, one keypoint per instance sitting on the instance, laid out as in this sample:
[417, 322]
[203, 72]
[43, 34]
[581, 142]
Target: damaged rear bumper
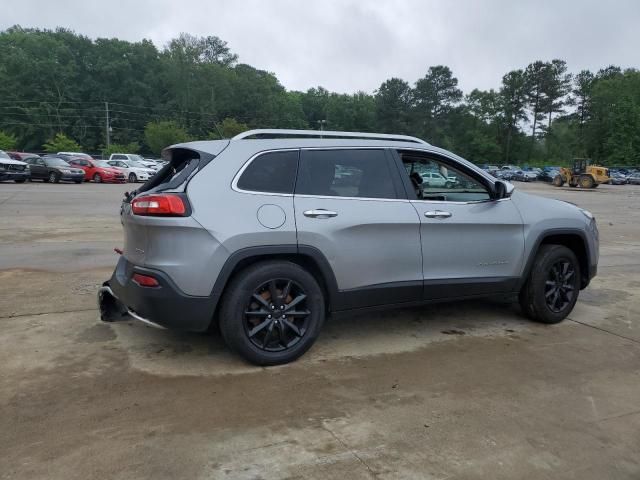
[121, 298]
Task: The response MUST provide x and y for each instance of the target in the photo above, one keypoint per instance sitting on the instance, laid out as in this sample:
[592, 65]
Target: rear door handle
[437, 214]
[319, 213]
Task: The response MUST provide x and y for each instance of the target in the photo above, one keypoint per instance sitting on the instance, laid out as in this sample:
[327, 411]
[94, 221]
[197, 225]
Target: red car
[98, 170]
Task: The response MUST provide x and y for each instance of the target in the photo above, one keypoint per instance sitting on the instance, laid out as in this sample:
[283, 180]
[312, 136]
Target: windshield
[55, 162]
[136, 158]
[4, 155]
[131, 163]
[103, 164]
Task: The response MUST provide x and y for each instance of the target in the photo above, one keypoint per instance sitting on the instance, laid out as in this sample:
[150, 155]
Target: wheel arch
[574, 240]
[309, 258]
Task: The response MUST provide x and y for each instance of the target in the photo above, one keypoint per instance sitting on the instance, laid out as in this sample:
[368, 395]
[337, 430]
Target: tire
[78, 181]
[448, 185]
[97, 178]
[274, 341]
[22, 180]
[54, 178]
[558, 181]
[133, 178]
[586, 181]
[547, 297]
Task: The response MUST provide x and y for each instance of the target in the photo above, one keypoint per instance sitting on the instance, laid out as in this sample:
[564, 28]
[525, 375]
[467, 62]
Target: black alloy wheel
[276, 316]
[559, 287]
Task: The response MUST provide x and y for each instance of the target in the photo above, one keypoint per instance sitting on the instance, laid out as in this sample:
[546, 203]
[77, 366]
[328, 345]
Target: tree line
[58, 86]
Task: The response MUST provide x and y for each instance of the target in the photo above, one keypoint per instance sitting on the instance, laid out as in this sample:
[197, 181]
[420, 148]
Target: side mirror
[503, 189]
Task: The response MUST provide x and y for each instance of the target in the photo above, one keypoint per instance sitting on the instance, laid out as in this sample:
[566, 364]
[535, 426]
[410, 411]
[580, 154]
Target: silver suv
[268, 232]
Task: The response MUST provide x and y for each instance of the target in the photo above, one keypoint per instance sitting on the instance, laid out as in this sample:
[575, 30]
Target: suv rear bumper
[164, 305]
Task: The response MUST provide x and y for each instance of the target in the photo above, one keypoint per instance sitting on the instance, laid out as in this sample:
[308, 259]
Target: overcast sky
[350, 45]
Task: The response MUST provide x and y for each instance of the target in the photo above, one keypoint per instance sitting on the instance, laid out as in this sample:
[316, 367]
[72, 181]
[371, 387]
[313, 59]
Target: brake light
[169, 205]
[145, 280]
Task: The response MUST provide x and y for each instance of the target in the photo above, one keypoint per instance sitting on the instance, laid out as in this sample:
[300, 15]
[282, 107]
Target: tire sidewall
[235, 301]
[548, 256]
[132, 178]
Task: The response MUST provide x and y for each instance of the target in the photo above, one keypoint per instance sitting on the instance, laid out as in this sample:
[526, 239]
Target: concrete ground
[457, 391]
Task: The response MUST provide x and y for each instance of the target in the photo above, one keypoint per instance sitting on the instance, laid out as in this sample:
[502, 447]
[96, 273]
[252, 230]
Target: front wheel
[272, 312]
[558, 181]
[551, 291]
[97, 178]
[53, 178]
[132, 178]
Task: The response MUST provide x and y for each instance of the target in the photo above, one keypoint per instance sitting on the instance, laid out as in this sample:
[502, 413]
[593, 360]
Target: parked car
[11, 169]
[634, 179]
[618, 179]
[436, 179]
[22, 156]
[524, 176]
[54, 169]
[98, 170]
[131, 157]
[134, 171]
[548, 175]
[254, 234]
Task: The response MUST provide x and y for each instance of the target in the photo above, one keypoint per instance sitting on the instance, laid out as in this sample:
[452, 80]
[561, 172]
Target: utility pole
[108, 127]
[322, 124]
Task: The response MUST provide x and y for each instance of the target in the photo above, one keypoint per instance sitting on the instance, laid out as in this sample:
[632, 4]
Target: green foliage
[61, 143]
[194, 87]
[7, 141]
[132, 147]
[159, 135]
[229, 128]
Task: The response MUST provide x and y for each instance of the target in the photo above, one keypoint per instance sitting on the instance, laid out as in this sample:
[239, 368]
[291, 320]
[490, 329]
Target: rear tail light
[164, 205]
[145, 280]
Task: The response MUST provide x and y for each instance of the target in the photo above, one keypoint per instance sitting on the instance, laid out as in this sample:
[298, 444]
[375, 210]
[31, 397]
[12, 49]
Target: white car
[436, 179]
[135, 158]
[134, 171]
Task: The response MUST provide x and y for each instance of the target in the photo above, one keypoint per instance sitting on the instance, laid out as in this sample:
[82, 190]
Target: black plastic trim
[592, 269]
[165, 305]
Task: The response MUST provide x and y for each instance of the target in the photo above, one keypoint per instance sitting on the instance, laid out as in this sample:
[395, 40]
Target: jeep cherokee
[267, 233]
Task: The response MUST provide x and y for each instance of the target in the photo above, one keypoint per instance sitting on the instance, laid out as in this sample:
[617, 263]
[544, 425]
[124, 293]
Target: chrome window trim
[236, 178]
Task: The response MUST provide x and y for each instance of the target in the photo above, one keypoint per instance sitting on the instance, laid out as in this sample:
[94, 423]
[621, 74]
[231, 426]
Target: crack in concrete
[372, 473]
[47, 313]
[604, 330]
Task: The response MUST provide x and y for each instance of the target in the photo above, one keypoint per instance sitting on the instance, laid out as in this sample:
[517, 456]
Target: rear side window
[272, 172]
[346, 173]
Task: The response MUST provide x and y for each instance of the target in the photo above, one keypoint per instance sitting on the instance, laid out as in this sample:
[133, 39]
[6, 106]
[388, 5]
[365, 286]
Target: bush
[61, 143]
[7, 141]
[159, 135]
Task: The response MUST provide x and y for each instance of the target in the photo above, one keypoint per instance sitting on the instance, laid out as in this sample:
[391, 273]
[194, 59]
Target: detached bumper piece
[163, 305]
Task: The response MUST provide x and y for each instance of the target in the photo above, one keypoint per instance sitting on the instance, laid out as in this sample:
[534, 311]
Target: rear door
[471, 243]
[351, 206]
[38, 169]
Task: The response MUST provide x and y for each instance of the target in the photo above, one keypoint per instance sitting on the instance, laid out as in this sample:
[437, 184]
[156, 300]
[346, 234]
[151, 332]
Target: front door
[471, 244]
[351, 206]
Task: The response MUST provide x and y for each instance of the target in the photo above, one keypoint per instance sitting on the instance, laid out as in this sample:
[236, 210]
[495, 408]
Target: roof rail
[327, 133]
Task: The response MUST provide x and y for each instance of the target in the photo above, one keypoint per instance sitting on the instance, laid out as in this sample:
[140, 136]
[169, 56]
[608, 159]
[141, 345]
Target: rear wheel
[558, 181]
[97, 178]
[586, 181]
[272, 312]
[551, 291]
[133, 178]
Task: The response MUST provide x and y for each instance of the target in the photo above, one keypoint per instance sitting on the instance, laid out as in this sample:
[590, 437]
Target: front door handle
[319, 213]
[437, 214]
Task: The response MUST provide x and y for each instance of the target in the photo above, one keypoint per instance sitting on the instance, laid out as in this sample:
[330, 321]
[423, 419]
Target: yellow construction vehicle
[582, 175]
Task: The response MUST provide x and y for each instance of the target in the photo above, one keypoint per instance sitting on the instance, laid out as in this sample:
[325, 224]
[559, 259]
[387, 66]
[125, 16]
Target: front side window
[437, 181]
[271, 172]
[345, 173]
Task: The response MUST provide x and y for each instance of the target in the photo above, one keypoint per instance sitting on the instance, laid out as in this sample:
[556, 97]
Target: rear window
[272, 172]
[346, 173]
